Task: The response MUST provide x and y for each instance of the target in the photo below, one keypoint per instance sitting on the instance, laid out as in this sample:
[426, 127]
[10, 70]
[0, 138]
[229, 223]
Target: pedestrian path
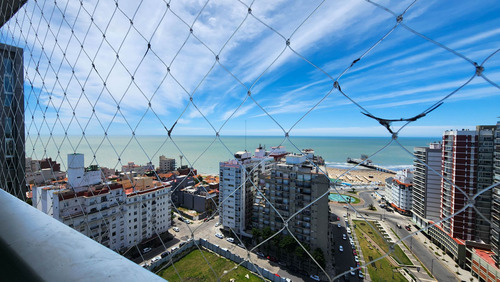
[417, 270]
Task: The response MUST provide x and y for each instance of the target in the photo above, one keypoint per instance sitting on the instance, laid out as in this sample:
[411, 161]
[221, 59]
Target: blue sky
[399, 78]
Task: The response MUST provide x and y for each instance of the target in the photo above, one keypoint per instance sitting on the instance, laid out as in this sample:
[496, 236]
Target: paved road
[439, 271]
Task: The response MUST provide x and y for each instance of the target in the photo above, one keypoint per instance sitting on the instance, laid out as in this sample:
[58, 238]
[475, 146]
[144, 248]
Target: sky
[256, 67]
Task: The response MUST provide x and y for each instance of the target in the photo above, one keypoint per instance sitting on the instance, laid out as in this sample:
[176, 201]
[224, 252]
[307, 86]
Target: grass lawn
[398, 254]
[193, 267]
[381, 270]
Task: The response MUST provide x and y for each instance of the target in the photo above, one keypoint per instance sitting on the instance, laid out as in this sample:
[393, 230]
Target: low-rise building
[400, 195]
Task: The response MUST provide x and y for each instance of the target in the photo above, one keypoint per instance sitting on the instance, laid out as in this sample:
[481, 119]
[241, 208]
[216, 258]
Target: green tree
[319, 256]
[256, 234]
[371, 207]
[288, 243]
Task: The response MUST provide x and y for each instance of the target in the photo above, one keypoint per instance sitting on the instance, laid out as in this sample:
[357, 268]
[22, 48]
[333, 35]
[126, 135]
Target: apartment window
[8, 127]
[9, 147]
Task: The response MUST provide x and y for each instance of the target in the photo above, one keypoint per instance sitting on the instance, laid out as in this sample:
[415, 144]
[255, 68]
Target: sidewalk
[445, 260]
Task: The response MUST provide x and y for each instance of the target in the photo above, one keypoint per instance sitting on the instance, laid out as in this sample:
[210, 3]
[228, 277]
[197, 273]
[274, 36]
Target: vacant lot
[194, 267]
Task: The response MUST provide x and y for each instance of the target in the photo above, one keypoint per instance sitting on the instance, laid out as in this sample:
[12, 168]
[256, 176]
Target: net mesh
[101, 77]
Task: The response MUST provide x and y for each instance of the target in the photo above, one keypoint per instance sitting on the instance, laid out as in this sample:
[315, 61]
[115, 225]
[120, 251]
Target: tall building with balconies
[289, 187]
[495, 203]
[426, 184]
[237, 179]
[459, 161]
[166, 164]
[485, 177]
[12, 157]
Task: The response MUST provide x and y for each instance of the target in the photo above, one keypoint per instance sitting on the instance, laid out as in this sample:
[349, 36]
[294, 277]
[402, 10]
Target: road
[426, 256]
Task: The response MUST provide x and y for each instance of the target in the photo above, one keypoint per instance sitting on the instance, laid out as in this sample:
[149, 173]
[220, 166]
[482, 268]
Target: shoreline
[359, 176]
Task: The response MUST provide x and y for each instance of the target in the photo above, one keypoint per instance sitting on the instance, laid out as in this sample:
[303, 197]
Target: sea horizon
[204, 152]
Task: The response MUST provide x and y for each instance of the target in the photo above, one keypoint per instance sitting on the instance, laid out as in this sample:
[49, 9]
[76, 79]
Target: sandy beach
[359, 176]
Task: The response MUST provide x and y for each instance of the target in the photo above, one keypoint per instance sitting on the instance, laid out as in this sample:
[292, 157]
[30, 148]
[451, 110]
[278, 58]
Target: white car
[155, 259]
[176, 229]
[217, 224]
[314, 277]
[352, 271]
[338, 225]
[341, 248]
[360, 275]
[348, 230]
[146, 250]
[219, 235]
[356, 259]
[230, 240]
[344, 237]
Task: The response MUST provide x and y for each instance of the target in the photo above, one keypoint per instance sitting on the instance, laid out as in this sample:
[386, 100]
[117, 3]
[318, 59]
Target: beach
[358, 176]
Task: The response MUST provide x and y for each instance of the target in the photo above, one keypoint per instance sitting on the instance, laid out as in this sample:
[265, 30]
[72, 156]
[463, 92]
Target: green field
[381, 270]
[193, 267]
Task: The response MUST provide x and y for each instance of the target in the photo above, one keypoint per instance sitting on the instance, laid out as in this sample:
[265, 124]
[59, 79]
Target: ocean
[205, 152]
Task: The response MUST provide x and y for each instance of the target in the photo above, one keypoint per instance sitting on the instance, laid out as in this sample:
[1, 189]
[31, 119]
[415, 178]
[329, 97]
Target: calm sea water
[204, 153]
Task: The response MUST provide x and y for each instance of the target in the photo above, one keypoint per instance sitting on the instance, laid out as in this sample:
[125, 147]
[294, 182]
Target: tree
[288, 243]
[256, 233]
[319, 256]
[371, 207]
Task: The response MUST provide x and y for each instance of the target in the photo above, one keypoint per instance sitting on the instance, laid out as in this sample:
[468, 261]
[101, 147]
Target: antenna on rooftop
[245, 135]
[180, 156]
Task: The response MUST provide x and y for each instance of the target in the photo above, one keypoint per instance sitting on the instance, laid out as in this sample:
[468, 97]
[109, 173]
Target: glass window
[7, 84]
[9, 147]
[8, 127]
[8, 99]
[8, 65]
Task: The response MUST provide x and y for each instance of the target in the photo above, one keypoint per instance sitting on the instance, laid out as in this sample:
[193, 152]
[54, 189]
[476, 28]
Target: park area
[194, 267]
[373, 247]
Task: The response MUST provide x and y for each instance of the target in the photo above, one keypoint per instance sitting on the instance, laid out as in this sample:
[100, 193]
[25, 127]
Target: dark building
[495, 203]
[12, 160]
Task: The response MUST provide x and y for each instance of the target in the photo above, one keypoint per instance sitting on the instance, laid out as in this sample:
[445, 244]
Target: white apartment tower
[427, 184]
[236, 188]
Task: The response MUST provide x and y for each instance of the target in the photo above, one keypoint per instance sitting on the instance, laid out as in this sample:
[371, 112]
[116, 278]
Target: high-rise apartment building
[166, 164]
[459, 161]
[485, 177]
[495, 203]
[426, 184]
[237, 179]
[289, 187]
[12, 157]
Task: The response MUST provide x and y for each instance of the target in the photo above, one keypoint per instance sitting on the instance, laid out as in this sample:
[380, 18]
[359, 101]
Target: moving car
[146, 250]
[352, 271]
[341, 248]
[344, 237]
[338, 225]
[314, 277]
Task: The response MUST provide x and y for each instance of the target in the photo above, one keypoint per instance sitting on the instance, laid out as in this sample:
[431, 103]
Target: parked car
[219, 235]
[146, 250]
[356, 259]
[398, 226]
[176, 229]
[314, 277]
[352, 271]
[164, 254]
[260, 254]
[217, 224]
[174, 249]
[230, 240]
[273, 259]
[360, 275]
[155, 259]
[348, 230]
[338, 225]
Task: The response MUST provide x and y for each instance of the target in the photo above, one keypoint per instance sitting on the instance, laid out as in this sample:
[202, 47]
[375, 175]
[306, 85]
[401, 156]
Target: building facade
[289, 187]
[426, 184]
[237, 181]
[459, 160]
[12, 156]
[166, 164]
[495, 203]
[401, 189]
[117, 216]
